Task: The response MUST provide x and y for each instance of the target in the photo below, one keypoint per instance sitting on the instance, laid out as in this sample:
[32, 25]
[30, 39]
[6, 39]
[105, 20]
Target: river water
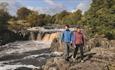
[30, 54]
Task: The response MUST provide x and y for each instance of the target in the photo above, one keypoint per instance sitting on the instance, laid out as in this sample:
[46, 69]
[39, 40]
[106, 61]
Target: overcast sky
[49, 6]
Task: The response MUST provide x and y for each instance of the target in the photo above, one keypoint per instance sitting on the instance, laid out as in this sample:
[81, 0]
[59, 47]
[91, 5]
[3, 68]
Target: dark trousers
[76, 51]
[66, 49]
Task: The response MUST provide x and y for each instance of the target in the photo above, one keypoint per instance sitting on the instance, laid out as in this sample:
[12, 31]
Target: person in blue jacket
[67, 40]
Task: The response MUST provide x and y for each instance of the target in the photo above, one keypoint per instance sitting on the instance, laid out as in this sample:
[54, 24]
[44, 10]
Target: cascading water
[29, 54]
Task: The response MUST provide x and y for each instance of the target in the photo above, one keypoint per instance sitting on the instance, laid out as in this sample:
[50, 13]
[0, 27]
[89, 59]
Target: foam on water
[13, 67]
[26, 46]
[34, 56]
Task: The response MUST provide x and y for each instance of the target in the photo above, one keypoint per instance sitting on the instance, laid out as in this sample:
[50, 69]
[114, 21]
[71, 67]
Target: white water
[25, 46]
[13, 67]
[20, 47]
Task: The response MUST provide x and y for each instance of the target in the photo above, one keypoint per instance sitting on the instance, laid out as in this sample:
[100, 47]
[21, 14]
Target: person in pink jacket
[78, 42]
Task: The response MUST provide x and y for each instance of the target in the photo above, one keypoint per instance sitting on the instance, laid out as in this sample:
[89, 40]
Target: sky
[48, 6]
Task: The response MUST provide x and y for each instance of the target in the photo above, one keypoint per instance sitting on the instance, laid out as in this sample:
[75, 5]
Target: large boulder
[7, 36]
[56, 45]
[98, 42]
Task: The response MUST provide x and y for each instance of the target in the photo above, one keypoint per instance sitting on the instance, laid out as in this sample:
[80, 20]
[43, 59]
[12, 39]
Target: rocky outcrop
[99, 42]
[7, 36]
[102, 59]
[56, 45]
[60, 64]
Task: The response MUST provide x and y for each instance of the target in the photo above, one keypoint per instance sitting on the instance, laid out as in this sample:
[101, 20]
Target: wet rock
[23, 34]
[7, 36]
[23, 68]
[26, 68]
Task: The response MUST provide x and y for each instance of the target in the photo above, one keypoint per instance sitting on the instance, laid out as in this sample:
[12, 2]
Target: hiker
[67, 40]
[78, 42]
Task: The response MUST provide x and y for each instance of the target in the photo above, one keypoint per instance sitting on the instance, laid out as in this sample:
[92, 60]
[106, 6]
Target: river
[30, 54]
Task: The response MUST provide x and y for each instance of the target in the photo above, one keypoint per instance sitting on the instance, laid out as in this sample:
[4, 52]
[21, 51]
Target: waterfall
[46, 37]
[50, 37]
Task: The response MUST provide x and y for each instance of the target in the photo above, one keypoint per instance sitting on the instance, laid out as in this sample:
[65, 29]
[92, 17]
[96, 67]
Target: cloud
[6, 1]
[54, 4]
[54, 7]
[12, 6]
[39, 9]
[51, 2]
[83, 6]
[51, 9]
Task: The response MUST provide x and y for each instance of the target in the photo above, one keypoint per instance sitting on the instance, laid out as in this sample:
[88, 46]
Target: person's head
[78, 29]
[66, 26]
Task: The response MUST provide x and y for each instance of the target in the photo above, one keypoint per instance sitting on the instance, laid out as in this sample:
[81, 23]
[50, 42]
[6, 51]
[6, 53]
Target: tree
[23, 12]
[100, 18]
[58, 18]
[73, 18]
[36, 19]
[4, 6]
[32, 19]
[4, 17]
